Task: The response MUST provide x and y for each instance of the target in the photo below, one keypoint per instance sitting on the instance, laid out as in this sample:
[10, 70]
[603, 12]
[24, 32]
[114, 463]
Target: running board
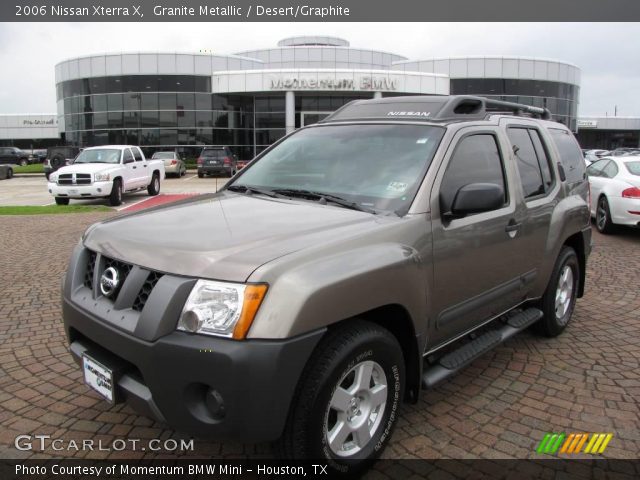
[456, 360]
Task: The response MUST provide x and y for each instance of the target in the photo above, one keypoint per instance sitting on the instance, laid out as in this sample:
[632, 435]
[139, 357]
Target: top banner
[319, 11]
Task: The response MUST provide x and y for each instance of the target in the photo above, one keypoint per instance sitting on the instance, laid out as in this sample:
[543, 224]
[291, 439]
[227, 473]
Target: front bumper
[96, 189]
[202, 385]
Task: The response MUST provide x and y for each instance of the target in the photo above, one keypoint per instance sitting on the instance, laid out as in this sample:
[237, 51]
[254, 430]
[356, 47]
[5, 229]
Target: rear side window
[528, 167]
[633, 167]
[476, 159]
[570, 154]
[137, 154]
[610, 170]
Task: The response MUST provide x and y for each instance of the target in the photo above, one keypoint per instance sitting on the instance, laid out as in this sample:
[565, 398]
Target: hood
[224, 236]
[87, 168]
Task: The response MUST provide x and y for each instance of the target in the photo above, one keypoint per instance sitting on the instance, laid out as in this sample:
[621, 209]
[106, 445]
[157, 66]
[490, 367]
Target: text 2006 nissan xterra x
[340, 272]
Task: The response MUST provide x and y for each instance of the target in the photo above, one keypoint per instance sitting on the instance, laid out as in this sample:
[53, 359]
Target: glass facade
[109, 110]
[560, 98]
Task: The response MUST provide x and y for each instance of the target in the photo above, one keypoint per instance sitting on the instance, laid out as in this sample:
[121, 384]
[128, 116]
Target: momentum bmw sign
[363, 83]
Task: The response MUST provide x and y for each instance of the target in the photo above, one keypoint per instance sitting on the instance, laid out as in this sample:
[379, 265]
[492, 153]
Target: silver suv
[351, 264]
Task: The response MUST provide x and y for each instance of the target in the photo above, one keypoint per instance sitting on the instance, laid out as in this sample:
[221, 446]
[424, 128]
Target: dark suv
[217, 161]
[13, 156]
[350, 265]
[58, 157]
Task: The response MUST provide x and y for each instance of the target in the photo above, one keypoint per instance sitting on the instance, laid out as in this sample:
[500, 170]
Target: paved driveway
[587, 380]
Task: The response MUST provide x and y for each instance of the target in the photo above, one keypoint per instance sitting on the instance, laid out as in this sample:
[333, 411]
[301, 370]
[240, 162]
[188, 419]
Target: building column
[290, 109]
[377, 94]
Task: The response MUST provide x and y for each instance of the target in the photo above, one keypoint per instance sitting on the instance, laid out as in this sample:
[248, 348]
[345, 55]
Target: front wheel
[347, 401]
[154, 187]
[559, 299]
[115, 198]
[603, 216]
[62, 201]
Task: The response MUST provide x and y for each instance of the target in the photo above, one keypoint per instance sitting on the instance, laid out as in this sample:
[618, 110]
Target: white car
[107, 171]
[615, 192]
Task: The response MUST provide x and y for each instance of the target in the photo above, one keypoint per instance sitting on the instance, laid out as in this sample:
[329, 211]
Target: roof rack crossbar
[518, 108]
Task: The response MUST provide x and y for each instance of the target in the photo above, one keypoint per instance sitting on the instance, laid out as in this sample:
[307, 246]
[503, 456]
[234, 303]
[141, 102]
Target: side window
[137, 154]
[476, 159]
[543, 158]
[127, 157]
[595, 169]
[530, 174]
[610, 170]
[570, 154]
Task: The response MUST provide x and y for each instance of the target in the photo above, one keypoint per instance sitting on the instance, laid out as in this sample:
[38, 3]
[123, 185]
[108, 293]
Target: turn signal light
[227, 161]
[199, 160]
[253, 296]
[633, 192]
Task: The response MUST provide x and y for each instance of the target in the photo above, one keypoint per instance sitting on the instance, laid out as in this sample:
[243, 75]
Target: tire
[154, 187]
[183, 172]
[9, 173]
[47, 175]
[56, 161]
[23, 162]
[115, 198]
[603, 216]
[62, 201]
[362, 424]
[559, 299]
[200, 175]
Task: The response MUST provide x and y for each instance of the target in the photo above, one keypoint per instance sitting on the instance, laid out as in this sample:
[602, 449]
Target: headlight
[101, 177]
[53, 178]
[221, 309]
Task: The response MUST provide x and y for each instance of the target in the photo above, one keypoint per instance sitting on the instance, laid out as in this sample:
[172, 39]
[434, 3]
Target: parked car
[173, 163]
[351, 264]
[217, 161]
[623, 151]
[6, 172]
[106, 172]
[615, 192]
[58, 157]
[593, 155]
[38, 156]
[13, 156]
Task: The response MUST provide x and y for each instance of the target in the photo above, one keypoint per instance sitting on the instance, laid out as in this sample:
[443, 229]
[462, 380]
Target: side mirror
[476, 198]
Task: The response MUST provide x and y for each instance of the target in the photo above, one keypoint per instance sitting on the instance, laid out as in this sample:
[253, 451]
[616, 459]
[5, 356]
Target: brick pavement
[587, 380]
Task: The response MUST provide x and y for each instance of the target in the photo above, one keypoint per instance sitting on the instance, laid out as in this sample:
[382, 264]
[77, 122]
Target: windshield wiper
[252, 190]
[323, 198]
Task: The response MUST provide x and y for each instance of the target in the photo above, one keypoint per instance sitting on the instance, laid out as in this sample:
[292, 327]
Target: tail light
[200, 160]
[174, 162]
[633, 192]
[227, 161]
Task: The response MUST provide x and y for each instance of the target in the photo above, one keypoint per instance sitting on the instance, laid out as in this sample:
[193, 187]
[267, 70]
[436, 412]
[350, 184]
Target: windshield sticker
[422, 140]
[398, 187]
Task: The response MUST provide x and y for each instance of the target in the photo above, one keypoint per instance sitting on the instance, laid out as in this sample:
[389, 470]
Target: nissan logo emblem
[109, 281]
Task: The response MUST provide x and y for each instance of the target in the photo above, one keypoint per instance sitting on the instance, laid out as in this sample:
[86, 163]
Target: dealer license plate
[98, 377]
[73, 192]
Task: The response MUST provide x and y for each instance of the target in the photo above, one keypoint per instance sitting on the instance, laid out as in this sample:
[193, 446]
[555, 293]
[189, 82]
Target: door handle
[145, 166]
[134, 167]
[512, 226]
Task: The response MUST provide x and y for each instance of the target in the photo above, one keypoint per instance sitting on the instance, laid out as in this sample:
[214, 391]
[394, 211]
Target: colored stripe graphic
[572, 443]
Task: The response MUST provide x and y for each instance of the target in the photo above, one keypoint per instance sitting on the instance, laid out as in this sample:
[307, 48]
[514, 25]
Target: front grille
[88, 273]
[145, 291]
[74, 179]
[65, 179]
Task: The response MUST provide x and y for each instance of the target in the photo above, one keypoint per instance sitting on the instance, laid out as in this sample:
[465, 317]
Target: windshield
[163, 155]
[99, 155]
[633, 167]
[376, 167]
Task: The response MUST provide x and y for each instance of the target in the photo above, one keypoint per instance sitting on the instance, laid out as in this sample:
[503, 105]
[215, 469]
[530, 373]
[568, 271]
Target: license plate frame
[73, 191]
[99, 377]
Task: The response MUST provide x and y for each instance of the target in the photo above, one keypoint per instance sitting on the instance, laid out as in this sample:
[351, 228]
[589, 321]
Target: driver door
[130, 175]
[477, 258]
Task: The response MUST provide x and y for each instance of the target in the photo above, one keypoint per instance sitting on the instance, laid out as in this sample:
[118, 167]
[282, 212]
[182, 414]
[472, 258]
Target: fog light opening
[215, 404]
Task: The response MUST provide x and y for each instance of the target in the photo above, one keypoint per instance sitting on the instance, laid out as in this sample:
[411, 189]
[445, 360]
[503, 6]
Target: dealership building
[250, 99]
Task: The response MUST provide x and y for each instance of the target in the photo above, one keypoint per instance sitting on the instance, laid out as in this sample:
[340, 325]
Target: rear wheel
[200, 175]
[10, 173]
[154, 187]
[603, 216]
[62, 201]
[346, 404]
[115, 198]
[559, 299]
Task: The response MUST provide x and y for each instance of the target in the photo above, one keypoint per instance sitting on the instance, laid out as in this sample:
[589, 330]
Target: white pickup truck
[107, 171]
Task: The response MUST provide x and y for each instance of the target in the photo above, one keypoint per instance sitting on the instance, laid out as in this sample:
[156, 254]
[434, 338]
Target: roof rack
[433, 108]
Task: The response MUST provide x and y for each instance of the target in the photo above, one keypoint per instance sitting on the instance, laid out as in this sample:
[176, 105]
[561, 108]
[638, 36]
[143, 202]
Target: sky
[607, 53]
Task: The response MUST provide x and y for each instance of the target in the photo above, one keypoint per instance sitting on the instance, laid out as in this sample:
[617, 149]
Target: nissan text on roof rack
[108, 172]
[349, 266]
